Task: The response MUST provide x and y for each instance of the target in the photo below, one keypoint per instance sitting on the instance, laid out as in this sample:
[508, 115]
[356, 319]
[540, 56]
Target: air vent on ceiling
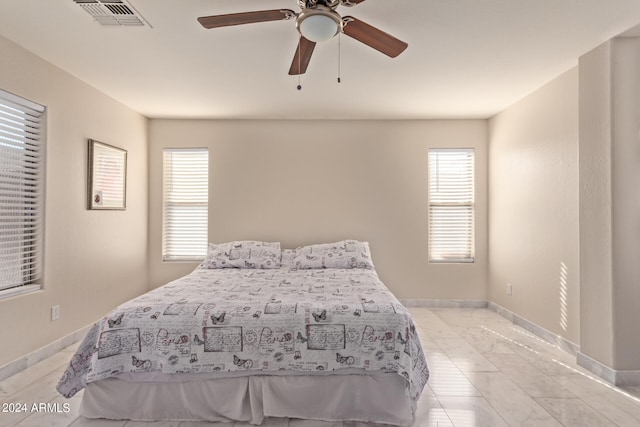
[113, 12]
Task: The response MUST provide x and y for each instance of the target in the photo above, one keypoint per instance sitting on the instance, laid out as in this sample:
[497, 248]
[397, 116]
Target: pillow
[287, 258]
[243, 254]
[344, 254]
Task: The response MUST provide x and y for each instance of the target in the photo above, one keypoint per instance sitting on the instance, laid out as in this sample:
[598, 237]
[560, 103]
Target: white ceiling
[466, 58]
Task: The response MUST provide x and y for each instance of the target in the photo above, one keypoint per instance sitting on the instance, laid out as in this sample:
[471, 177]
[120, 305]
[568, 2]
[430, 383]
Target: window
[451, 205]
[21, 192]
[185, 212]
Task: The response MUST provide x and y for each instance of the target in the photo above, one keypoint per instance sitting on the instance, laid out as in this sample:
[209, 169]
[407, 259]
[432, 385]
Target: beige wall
[533, 206]
[300, 182]
[93, 260]
[610, 207]
[595, 205]
[626, 203]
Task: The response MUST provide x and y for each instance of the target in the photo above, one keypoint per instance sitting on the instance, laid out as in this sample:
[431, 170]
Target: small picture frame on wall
[107, 183]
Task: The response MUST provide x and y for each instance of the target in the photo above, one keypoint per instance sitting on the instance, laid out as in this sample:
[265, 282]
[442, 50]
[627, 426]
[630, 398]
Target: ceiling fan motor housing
[310, 4]
[319, 24]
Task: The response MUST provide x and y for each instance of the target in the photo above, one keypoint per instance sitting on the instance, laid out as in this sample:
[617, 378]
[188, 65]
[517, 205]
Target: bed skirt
[381, 398]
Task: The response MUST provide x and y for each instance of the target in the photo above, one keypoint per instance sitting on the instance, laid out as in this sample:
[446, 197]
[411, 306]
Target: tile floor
[485, 371]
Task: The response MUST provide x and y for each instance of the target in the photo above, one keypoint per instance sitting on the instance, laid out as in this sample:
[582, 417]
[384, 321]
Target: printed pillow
[286, 259]
[243, 254]
[344, 254]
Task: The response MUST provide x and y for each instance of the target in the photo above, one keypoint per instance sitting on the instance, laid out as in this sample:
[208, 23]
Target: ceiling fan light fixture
[319, 24]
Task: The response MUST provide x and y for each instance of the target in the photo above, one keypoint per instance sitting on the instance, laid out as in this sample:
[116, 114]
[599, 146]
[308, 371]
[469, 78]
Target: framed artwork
[107, 186]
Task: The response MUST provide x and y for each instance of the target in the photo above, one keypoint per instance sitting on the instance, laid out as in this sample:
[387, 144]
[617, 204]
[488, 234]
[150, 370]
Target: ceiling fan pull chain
[299, 61]
[339, 55]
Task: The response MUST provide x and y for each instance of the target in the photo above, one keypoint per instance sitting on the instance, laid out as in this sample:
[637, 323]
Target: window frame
[173, 255]
[456, 256]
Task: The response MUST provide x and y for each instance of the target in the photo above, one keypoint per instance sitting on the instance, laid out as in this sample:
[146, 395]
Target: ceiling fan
[317, 21]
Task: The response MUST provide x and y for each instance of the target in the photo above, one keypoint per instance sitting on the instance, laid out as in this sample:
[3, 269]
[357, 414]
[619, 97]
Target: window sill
[20, 290]
[453, 261]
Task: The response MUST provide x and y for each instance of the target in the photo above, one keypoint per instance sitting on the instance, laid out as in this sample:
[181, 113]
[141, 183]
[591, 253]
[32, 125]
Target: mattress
[255, 326]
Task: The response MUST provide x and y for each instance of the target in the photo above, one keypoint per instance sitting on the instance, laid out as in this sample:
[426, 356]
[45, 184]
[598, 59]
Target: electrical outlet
[509, 289]
[55, 312]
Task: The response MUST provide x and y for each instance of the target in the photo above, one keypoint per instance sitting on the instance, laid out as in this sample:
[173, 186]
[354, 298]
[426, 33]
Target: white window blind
[451, 205]
[21, 191]
[185, 204]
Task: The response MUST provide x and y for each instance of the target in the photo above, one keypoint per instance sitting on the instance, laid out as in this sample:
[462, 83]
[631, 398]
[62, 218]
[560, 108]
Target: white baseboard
[613, 376]
[443, 303]
[548, 336]
[42, 353]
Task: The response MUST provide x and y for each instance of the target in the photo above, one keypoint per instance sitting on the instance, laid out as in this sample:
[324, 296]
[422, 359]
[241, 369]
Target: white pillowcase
[243, 254]
[286, 261]
[344, 254]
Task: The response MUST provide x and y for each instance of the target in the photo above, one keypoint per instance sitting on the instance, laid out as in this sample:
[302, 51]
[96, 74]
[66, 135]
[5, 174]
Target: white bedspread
[242, 322]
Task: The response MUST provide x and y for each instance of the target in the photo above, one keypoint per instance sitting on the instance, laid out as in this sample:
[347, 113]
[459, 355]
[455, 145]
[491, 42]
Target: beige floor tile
[267, 422]
[208, 424]
[59, 412]
[361, 424]
[619, 402]
[529, 378]
[430, 413]
[446, 379]
[510, 401]
[36, 393]
[312, 423]
[464, 356]
[482, 340]
[574, 412]
[153, 424]
[471, 412]
[88, 422]
[584, 385]
[28, 376]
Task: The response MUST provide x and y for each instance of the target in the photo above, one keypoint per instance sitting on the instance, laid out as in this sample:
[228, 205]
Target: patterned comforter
[252, 322]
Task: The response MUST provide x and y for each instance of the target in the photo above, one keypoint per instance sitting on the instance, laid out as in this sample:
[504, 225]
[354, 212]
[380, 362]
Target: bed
[255, 332]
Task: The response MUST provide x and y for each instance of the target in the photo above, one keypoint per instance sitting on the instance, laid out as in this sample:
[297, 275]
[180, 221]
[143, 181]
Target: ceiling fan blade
[373, 37]
[217, 21]
[301, 59]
